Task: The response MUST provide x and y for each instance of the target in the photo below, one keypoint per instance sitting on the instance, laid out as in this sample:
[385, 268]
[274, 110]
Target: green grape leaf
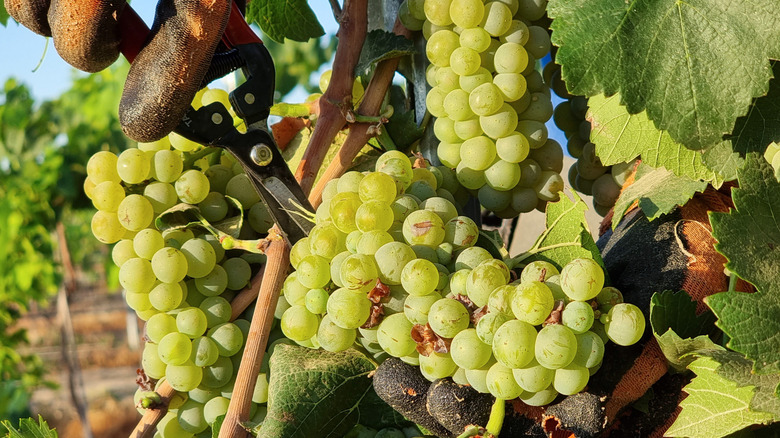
[678, 329]
[3, 15]
[620, 137]
[319, 393]
[280, 19]
[737, 368]
[715, 406]
[380, 45]
[749, 237]
[185, 215]
[565, 238]
[217, 426]
[694, 66]
[659, 191]
[723, 160]
[402, 127]
[28, 428]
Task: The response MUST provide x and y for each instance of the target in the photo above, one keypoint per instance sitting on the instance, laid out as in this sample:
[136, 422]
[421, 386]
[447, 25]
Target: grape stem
[282, 109]
[732, 282]
[360, 133]
[496, 421]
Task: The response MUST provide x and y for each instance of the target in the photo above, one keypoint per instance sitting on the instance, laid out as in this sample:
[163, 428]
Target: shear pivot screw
[216, 118]
[261, 154]
[249, 98]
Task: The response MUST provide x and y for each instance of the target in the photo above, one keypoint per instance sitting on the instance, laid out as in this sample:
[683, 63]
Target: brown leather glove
[166, 73]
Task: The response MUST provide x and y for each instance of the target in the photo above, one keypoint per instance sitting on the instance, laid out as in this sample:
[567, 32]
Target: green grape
[445, 209]
[317, 301]
[241, 189]
[136, 275]
[352, 240]
[438, 12]
[400, 170]
[465, 61]
[462, 232]
[468, 351]
[486, 99]
[606, 299]
[204, 351]
[407, 19]
[314, 272]
[470, 82]
[218, 374]
[348, 309]
[416, 308]
[549, 156]
[160, 325]
[570, 379]
[260, 218]
[478, 153]
[107, 196]
[169, 265]
[440, 46]
[419, 277]
[447, 317]
[335, 268]
[470, 178]
[501, 383]
[538, 271]
[300, 250]
[147, 242]
[535, 132]
[500, 300]
[578, 316]
[174, 348]
[192, 186]
[582, 279]
[228, 338]
[549, 185]
[213, 283]
[467, 13]
[214, 207]
[219, 175]
[513, 343]
[538, 44]
[343, 208]
[459, 377]
[532, 302]
[421, 190]
[533, 377]
[556, 346]
[517, 33]
[217, 311]
[605, 190]
[169, 427]
[444, 252]
[503, 176]
[358, 272]
[402, 207]
[625, 324]
[471, 257]
[133, 166]
[621, 172]
[497, 19]
[166, 296]
[446, 79]
[190, 417]
[475, 38]
[510, 58]
[464, 129]
[162, 196]
[181, 143]
[541, 398]
[214, 408]
[493, 199]
[511, 85]
[370, 242]
[374, 215]
[482, 280]
[200, 256]
[434, 102]
[391, 258]
[174, 238]
[260, 394]
[102, 167]
[476, 378]
[238, 272]
[437, 365]
[135, 212]
[201, 394]
[151, 363]
[590, 350]
[191, 322]
[326, 240]
[488, 325]
[122, 252]
[423, 227]
[554, 283]
[167, 165]
[138, 302]
[500, 123]
[350, 182]
[394, 335]
[456, 103]
[444, 128]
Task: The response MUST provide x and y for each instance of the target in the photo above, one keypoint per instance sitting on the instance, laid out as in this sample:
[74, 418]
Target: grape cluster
[490, 103]
[588, 175]
[401, 276]
[181, 281]
[772, 157]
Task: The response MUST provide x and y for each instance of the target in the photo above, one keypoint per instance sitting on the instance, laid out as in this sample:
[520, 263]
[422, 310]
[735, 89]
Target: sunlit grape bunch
[588, 176]
[181, 281]
[400, 275]
[490, 102]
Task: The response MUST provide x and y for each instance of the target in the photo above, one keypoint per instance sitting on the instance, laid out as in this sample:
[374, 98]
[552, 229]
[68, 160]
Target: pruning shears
[212, 125]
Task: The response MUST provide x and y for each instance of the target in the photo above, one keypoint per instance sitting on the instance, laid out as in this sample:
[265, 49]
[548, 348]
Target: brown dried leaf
[377, 315]
[143, 381]
[477, 314]
[555, 315]
[428, 341]
[379, 291]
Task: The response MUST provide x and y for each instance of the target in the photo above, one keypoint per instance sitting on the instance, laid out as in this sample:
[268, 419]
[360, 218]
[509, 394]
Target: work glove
[166, 73]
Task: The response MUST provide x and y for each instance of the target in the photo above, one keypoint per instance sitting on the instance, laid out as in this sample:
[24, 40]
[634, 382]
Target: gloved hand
[165, 75]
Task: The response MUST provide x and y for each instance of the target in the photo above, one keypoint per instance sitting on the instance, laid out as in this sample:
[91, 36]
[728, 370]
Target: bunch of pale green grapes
[772, 157]
[400, 274]
[181, 281]
[588, 175]
[490, 102]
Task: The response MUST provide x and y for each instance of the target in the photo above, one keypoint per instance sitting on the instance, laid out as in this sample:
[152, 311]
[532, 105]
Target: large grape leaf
[694, 66]
[380, 45]
[28, 428]
[658, 191]
[280, 19]
[324, 394]
[678, 329]
[620, 137]
[715, 406]
[749, 237]
[566, 236]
